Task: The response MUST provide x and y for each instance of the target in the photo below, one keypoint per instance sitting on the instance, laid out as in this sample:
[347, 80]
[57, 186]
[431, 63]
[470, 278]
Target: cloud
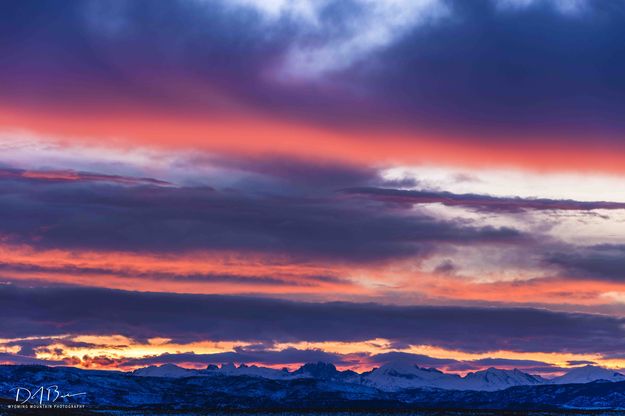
[186, 318]
[263, 354]
[285, 279]
[479, 202]
[567, 7]
[493, 73]
[581, 362]
[83, 214]
[505, 363]
[54, 176]
[416, 359]
[365, 27]
[6, 357]
[604, 262]
[486, 67]
[241, 355]
[294, 175]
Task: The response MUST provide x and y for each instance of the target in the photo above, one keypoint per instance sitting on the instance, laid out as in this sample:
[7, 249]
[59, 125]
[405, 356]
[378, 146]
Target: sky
[278, 182]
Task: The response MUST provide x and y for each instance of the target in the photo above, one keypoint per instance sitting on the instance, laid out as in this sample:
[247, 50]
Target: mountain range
[314, 386]
[395, 376]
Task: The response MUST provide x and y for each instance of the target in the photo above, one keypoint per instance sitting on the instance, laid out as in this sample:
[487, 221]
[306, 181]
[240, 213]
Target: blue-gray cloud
[318, 225]
[185, 318]
[600, 262]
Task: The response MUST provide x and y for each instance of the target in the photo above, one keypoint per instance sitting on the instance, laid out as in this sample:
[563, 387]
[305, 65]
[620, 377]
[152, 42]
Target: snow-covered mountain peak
[165, 370]
[587, 374]
[399, 375]
[498, 379]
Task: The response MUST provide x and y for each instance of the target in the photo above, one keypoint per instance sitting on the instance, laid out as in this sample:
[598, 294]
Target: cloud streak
[59, 176]
[480, 202]
[187, 318]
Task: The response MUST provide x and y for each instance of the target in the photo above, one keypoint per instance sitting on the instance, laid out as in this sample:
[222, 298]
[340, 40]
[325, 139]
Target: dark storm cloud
[485, 67]
[479, 202]
[105, 216]
[185, 318]
[604, 262]
[528, 68]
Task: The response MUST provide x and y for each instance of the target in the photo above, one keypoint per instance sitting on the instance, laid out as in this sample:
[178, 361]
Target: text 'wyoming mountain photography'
[312, 207]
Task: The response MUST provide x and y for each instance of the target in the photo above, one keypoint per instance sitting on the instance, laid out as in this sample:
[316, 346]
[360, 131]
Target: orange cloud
[552, 291]
[205, 272]
[195, 272]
